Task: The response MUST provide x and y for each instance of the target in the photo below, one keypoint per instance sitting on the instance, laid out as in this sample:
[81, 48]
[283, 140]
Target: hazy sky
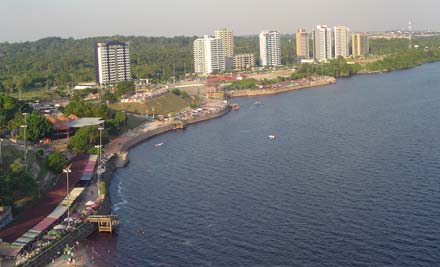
[23, 20]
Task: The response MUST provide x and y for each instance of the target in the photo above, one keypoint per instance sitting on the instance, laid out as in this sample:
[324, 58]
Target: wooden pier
[179, 125]
[106, 223]
[235, 106]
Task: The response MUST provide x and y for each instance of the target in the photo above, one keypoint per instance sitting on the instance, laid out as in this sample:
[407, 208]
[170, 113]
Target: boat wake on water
[122, 201]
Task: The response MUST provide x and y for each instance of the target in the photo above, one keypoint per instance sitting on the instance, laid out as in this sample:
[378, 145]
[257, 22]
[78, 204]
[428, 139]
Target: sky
[28, 20]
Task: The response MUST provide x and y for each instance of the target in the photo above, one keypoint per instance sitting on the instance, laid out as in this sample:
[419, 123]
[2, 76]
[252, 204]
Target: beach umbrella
[52, 232]
[59, 227]
[48, 237]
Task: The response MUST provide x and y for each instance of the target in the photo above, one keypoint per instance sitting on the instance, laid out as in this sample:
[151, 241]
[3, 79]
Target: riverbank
[273, 91]
[121, 145]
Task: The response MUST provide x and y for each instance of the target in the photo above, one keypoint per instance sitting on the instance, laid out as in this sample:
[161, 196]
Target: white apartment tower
[227, 38]
[270, 48]
[342, 41]
[322, 43]
[112, 62]
[209, 55]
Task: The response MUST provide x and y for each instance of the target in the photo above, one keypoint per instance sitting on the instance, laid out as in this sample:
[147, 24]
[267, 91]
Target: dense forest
[62, 62]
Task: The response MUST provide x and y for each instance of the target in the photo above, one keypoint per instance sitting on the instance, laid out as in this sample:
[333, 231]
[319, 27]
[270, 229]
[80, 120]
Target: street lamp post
[98, 172]
[25, 144]
[67, 171]
[100, 160]
[125, 118]
[1, 156]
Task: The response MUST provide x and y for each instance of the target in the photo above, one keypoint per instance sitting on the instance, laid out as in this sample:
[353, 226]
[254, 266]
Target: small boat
[271, 137]
[158, 145]
[257, 103]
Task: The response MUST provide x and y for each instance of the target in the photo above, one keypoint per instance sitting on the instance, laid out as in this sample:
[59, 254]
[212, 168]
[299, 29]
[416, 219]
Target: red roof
[44, 224]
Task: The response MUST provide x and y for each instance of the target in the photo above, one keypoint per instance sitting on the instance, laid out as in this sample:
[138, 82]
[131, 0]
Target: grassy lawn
[162, 105]
[133, 122]
[35, 94]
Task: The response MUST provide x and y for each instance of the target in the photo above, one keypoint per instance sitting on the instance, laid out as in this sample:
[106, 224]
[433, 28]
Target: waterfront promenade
[30, 217]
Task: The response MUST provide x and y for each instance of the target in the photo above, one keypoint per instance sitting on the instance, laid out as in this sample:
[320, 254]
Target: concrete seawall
[262, 92]
[168, 127]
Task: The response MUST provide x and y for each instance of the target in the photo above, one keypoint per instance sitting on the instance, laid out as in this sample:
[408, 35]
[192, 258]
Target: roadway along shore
[272, 91]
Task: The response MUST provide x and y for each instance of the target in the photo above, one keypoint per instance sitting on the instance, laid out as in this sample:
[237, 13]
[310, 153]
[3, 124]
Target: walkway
[32, 216]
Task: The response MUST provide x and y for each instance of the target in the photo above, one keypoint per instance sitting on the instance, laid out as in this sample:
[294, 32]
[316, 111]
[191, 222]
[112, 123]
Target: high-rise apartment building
[112, 62]
[360, 44]
[227, 38]
[322, 42]
[302, 44]
[209, 55]
[244, 61]
[270, 48]
[342, 41]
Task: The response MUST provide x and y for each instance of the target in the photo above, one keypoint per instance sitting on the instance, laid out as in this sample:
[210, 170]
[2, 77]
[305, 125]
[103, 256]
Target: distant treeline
[62, 62]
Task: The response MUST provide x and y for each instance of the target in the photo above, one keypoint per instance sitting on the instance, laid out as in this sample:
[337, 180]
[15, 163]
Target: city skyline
[80, 19]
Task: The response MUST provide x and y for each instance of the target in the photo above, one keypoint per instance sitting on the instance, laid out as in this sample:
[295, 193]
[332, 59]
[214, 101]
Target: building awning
[84, 122]
[74, 194]
[58, 212]
[86, 177]
[7, 250]
[44, 224]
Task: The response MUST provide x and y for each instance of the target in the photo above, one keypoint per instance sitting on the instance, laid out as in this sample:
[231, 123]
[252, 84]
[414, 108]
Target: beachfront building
[302, 44]
[112, 62]
[360, 44]
[342, 41]
[270, 48]
[227, 38]
[322, 43]
[244, 61]
[209, 55]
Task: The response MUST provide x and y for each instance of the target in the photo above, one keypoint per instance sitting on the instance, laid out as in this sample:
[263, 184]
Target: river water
[352, 179]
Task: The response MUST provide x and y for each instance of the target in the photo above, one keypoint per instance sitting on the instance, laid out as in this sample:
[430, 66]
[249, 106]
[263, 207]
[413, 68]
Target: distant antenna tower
[410, 38]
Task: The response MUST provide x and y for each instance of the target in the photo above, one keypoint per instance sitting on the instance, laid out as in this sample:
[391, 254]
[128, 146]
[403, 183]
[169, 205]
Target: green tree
[100, 110]
[124, 87]
[17, 166]
[56, 162]
[38, 127]
[85, 139]
[77, 106]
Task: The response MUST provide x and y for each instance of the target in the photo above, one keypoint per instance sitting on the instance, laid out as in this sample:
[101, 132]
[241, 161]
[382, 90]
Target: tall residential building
[360, 44]
[270, 48]
[244, 61]
[302, 44]
[209, 55]
[112, 62]
[342, 41]
[322, 42]
[227, 38]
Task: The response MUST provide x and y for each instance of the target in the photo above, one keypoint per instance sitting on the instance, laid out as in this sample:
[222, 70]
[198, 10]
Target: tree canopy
[56, 162]
[38, 127]
[85, 139]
